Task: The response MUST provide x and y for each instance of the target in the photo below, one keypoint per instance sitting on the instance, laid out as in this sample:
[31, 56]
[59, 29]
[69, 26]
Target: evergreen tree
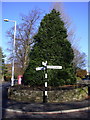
[51, 45]
[2, 65]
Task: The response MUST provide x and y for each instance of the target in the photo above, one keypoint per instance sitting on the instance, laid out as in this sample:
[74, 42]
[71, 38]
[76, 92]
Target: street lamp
[12, 79]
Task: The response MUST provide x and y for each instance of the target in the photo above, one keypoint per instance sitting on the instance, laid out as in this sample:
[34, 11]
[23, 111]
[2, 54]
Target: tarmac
[13, 109]
[76, 109]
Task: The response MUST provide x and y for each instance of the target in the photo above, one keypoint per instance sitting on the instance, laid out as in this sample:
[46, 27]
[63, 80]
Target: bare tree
[79, 58]
[24, 39]
[79, 61]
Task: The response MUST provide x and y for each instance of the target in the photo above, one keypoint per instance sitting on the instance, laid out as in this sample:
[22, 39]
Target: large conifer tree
[51, 45]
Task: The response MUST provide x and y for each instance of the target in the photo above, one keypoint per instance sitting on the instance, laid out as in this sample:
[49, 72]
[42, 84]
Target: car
[86, 78]
[15, 81]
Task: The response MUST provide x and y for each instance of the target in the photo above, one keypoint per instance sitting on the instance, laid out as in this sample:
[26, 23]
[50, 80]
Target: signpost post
[45, 69]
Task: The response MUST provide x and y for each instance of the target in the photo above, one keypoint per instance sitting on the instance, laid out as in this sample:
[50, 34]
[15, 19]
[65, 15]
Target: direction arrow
[54, 67]
[40, 68]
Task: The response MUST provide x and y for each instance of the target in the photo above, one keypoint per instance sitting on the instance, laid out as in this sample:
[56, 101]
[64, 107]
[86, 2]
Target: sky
[77, 11]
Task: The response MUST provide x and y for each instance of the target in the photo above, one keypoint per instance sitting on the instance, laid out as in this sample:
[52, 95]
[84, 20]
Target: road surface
[3, 96]
[15, 108]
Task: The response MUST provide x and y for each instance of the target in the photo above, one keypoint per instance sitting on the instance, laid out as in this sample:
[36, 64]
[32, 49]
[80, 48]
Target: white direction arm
[40, 68]
[54, 67]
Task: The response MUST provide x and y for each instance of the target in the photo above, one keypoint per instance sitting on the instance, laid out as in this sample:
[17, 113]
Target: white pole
[12, 79]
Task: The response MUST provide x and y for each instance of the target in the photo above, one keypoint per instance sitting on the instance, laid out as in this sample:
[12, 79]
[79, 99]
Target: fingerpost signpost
[45, 67]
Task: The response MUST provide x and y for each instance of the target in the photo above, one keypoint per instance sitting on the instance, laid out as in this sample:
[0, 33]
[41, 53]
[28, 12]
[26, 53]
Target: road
[0, 101]
[6, 84]
[11, 114]
[81, 114]
[3, 96]
[49, 110]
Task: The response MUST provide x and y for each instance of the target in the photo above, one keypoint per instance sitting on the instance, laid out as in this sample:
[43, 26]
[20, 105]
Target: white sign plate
[40, 68]
[54, 67]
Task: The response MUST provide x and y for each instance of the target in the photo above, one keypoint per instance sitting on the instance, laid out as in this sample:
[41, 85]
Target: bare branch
[24, 38]
[79, 59]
